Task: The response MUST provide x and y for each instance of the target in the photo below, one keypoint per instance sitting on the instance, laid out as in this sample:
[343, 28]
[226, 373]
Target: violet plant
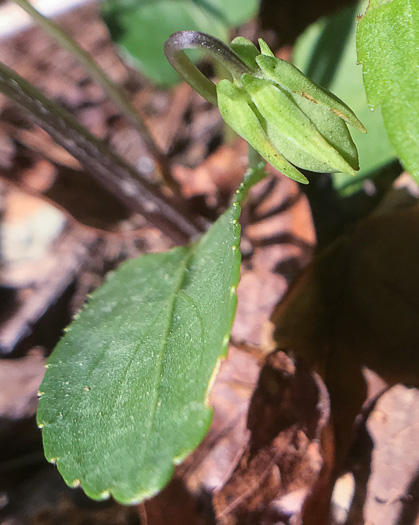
[125, 394]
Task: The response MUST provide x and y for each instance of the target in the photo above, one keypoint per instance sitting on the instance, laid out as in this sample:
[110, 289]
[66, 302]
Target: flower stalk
[174, 49]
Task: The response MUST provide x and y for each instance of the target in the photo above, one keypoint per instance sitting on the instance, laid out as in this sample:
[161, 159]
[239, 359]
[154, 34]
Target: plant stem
[113, 91]
[107, 168]
[255, 172]
[256, 162]
[174, 50]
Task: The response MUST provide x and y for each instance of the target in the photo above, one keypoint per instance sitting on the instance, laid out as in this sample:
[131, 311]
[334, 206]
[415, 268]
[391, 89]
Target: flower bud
[287, 118]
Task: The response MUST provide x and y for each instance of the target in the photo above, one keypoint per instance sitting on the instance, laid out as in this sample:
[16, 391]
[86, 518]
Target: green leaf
[140, 27]
[327, 53]
[125, 394]
[388, 44]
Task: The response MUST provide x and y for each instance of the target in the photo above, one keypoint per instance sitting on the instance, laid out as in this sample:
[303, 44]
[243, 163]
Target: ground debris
[287, 415]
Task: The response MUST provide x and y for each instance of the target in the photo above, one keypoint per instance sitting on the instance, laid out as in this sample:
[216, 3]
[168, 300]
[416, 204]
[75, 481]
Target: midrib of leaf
[134, 354]
[164, 347]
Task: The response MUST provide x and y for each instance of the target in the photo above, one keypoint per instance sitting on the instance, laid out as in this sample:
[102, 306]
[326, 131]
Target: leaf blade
[103, 432]
[387, 43]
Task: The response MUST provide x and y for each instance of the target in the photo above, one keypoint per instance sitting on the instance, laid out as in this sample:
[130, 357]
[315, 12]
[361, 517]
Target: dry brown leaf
[217, 177]
[278, 227]
[19, 380]
[287, 416]
[357, 306]
[174, 505]
[214, 460]
[393, 487]
[42, 254]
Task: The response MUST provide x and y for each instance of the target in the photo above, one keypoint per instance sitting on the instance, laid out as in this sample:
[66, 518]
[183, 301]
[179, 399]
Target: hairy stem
[174, 50]
[107, 168]
[113, 91]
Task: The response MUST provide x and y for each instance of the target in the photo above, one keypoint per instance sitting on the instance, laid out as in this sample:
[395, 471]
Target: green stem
[112, 90]
[255, 172]
[174, 50]
[256, 162]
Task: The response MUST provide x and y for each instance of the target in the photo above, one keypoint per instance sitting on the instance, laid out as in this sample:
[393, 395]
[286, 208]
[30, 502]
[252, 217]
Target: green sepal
[264, 48]
[333, 129]
[246, 50]
[291, 132]
[241, 115]
[292, 79]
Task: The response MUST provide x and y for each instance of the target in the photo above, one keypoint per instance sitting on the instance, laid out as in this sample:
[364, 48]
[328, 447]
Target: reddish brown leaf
[287, 416]
[212, 463]
[357, 306]
[278, 227]
[174, 505]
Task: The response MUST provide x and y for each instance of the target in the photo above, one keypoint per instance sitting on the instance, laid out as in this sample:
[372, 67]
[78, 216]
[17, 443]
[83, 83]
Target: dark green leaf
[388, 49]
[125, 394]
[140, 27]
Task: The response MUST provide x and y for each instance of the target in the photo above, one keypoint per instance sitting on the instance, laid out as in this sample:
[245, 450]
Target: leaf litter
[353, 308]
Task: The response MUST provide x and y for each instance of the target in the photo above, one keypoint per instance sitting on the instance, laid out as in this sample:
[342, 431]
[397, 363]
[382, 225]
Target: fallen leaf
[278, 226]
[212, 463]
[174, 505]
[357, 306]
[393, 492]
[359, 299]
[20, 380]
[218, 176]
[288, 413]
